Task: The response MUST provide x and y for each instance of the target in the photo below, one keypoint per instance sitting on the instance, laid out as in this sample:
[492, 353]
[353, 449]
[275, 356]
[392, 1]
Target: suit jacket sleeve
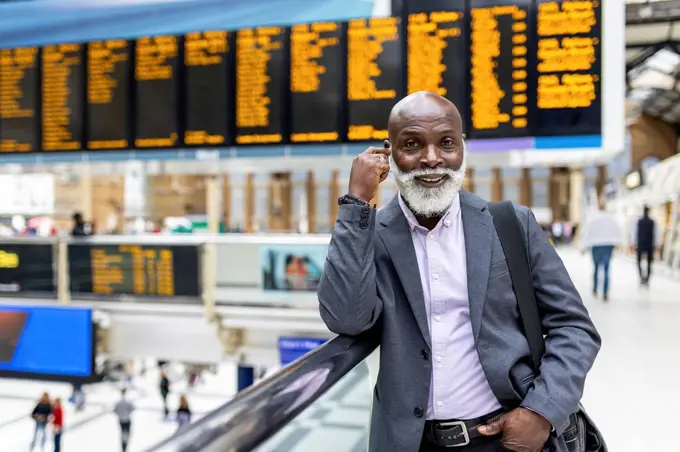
[571, 340]
[348, 298]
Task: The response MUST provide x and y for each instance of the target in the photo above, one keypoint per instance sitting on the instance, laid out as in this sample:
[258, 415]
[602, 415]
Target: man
[123, 410]
[429, 272]
[78, 226]
[601, 234]
[645, 241]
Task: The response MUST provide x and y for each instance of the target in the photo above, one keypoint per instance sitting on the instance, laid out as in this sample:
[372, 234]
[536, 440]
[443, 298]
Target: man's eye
[411, 144]
[447, 142]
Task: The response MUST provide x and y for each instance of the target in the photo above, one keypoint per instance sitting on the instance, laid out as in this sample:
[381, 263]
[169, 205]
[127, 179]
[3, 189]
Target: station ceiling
[653, 59]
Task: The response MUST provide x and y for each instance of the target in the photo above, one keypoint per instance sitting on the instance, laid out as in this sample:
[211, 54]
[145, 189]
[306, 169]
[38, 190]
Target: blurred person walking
[123, 410]
[41, 415]
[644, 241]
[183, 413]
[601, 233]
[164, 387]
[57, 423]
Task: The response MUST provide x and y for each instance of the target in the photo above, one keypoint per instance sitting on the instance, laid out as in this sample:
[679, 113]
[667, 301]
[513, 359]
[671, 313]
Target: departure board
[156, 87]
[142, 270]
[375, 79]
[207, 78]
[437, 50]
[108, 94]
[19, 99]
[261, 55]
[499, 72]
[316, 82]
[62, 97]
[568, 66]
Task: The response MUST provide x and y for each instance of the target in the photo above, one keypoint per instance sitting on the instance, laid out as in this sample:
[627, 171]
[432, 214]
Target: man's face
[428, 157]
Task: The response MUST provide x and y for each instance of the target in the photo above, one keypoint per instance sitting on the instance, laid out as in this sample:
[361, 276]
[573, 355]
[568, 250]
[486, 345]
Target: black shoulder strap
[512, 240]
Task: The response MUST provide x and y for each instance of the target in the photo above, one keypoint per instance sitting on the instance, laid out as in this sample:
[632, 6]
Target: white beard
[428, 202]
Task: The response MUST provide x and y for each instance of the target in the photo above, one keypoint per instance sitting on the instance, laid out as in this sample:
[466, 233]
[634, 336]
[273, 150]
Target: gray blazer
[371, 279]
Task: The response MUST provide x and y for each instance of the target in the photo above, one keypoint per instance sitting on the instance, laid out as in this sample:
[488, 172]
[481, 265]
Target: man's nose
[431, 157]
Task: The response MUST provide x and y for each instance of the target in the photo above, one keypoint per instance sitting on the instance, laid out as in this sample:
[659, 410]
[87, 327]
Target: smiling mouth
[431, 179]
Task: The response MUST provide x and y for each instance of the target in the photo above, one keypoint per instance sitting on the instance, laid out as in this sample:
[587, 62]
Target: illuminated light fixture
[633, 180]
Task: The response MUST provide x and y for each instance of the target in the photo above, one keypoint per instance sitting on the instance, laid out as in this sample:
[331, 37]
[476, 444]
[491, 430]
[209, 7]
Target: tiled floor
[633, 392]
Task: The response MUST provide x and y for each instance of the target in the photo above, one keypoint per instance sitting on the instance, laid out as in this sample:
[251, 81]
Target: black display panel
[26, 268]
[316, 82]
[499, 68]
[261, 85]
[62, 97]
[375, 75]
[108, 94]
[207, 79]
[437, 49]
[19, 99]
[568, 67]
[142, 270]
[156, 91]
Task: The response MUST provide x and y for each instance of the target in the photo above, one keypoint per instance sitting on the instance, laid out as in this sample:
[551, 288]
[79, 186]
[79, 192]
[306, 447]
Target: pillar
[496, 184]
[576, 189]
[213, 203]
[469, 182]
[249, 204]
[226, 201]
[525, 188]
[85, 189]
[601, 180]
[310, 187]
[280, 202]
[558, 193]
[334, 189]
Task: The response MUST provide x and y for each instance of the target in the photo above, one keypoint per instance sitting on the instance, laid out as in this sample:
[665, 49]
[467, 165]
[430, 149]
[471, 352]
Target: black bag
[581, 435]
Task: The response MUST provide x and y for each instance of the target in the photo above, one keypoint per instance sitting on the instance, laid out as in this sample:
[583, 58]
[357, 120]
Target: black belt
[456, 433]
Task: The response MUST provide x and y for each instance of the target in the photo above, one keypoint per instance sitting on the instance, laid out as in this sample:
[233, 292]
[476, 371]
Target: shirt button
[418, 412]
[438, 318]
[424, 354]
[440, 403]
[438, 358]
[447, 223]
[435, 276]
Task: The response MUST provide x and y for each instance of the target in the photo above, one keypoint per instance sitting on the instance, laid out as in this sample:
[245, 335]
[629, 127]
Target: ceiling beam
[653, 12]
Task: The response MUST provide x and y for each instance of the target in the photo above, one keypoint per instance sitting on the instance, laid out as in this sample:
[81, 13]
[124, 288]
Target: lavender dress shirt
[459, 388]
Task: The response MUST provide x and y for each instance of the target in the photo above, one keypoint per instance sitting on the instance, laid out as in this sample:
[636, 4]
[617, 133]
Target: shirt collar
[413, 224]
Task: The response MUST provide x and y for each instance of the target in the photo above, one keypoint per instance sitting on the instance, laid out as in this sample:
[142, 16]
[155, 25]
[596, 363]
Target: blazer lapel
[397, 238]
[478, 232]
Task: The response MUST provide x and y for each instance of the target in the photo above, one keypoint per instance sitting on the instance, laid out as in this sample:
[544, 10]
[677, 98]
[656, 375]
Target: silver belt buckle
[463, 432]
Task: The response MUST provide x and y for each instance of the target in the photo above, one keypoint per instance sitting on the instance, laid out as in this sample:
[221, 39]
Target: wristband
[351, 199]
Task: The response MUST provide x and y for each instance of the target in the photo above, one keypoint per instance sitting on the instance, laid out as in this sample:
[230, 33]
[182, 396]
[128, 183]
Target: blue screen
[46, 340]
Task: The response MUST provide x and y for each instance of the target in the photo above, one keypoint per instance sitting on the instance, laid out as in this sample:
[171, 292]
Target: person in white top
[601, 234]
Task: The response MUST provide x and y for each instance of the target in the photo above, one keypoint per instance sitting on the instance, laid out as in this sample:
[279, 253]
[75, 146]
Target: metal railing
[255, 415]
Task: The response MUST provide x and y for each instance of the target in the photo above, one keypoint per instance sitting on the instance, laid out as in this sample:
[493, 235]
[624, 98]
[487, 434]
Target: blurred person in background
[183, 412]
[644, 241]
[123, 410]
[80, 228]
[601, 233]
[78, 396]
[57, 423]
[164, 387]
[41, 415]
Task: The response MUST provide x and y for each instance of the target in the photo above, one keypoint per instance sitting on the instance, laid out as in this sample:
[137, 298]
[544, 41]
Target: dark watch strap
[351, 199]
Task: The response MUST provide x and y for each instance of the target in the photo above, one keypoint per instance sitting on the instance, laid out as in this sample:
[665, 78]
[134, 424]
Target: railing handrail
[256, 414]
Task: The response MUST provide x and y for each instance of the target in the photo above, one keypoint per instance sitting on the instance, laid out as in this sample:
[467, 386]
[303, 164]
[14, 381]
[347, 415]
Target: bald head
[425, 107]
